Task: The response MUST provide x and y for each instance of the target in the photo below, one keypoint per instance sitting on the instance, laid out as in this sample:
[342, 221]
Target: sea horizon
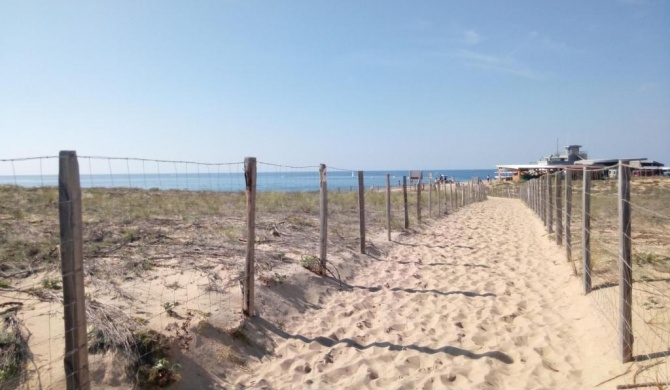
[284, 180]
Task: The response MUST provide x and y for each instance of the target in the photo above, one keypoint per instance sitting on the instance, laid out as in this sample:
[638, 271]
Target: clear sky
[357, 84]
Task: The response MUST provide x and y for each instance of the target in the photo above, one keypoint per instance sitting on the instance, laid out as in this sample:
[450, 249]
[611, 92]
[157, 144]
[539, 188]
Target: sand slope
[479, 299]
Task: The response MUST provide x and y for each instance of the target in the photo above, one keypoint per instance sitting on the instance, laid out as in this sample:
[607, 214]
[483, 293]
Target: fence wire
[650, 216]
[163, 256]
[32, 330]
[164, 245]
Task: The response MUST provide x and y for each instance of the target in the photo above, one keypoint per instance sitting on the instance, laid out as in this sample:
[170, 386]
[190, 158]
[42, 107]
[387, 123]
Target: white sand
[481, 299]
[478, 299]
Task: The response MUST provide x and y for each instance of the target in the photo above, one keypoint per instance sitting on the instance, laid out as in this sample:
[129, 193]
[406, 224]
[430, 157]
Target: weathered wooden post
[361, 209]
[559, 208]
[543, 200]
[72, 269]
[625, 265]
[249, 266]
[430, 195]
[418, 201]
[568, 214]
[323, 215]
[439, 200]
[451, 196]
[550, 205]
[404, 196]
[538, 200]
[388, 206]
[586, 230]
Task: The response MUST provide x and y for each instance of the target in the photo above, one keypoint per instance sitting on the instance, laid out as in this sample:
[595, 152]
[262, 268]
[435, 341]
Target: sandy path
[481, 299]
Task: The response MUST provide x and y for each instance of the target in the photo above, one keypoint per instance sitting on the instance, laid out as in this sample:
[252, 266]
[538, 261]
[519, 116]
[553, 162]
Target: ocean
[288, 180]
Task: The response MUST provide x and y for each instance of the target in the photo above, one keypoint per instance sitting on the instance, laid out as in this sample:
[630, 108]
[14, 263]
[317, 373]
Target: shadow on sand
[331, 342]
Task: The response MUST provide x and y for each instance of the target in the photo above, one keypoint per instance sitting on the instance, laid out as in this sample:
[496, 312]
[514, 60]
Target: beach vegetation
[230, 233]
[169, 307]
[131, 234]
[14, 352]
[312, 263]
[151, 368]
[51, 284]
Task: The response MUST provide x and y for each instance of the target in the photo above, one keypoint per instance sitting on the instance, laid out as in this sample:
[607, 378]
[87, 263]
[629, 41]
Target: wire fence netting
[32, 330]
[650, 261]
[164, 246]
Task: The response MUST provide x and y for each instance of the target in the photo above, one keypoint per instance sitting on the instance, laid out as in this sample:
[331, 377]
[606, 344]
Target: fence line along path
[461, 311]
[154, 253]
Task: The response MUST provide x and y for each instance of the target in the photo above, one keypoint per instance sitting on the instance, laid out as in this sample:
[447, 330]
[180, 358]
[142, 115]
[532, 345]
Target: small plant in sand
[13, 348]
[137, 266]
[152, 368]
[312, 263]
[163, 373]
[51, 283]
[272, 280]
[169, 307]
[145, 350]
[131, 235]
[279, 278]
[645, 258]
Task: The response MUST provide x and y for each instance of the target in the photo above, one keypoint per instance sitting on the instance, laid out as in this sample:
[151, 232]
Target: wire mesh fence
[164, 245]
[600, 222]
[163, 249]
[31, 308]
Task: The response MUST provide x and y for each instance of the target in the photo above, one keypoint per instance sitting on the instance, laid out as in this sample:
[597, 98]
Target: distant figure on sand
[488, 178]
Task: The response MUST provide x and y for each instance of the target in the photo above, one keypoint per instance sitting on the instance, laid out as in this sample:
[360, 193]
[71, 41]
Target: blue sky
[356, 84]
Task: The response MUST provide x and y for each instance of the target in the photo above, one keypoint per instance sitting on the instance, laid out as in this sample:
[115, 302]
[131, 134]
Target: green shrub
[311, 263]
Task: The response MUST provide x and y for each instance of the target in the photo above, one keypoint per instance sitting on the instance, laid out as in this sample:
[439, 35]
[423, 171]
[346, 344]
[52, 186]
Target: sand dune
[479, 299]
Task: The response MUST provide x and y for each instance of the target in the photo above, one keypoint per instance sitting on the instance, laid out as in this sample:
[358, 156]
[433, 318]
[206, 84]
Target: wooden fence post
[539, 198]
[536, 196]
[72, 269]
[451, 196]
[550, 205]
[418, 202]
[546, 202]
[404, 196]
[361, 209]
[625, 265]
[568, 215]
[388, 205]
[430, 196]
[439, 201]
[323, 215]
[586, 230]
[559, 208]
[249, 265]
[542, 200]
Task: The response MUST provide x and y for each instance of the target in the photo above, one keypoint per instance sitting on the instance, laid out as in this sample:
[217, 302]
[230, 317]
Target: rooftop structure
[571, 155]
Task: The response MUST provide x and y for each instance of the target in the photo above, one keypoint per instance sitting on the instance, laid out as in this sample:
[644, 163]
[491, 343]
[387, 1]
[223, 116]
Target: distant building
[577, 159]
[572, 155]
